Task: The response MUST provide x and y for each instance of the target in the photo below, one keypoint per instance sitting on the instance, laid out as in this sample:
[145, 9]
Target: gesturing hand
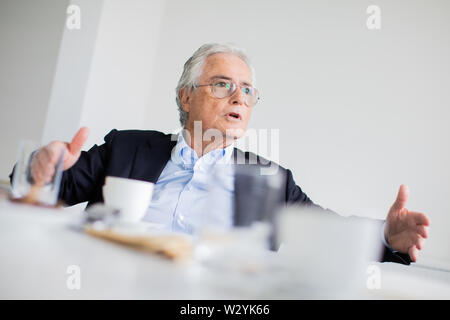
[44, 162]
[406, 230]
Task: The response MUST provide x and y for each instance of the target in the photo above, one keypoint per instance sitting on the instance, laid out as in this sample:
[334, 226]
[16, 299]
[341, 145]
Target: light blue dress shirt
[192, 192]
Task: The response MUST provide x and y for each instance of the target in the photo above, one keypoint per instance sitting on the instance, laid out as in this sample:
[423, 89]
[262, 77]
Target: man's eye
[223, 84]
[247, 90]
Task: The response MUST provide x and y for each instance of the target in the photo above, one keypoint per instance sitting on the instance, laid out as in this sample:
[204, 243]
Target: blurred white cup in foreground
[131, 197]
[326, 254]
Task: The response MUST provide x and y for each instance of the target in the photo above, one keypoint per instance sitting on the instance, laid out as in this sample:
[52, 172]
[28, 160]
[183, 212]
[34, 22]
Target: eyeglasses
[225, 88]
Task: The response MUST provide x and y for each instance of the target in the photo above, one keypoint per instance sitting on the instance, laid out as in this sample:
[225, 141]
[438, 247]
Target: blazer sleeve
[295, 195]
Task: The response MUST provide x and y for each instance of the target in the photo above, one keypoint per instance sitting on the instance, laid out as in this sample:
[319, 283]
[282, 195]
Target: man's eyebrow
[220, 77]
[228, 78]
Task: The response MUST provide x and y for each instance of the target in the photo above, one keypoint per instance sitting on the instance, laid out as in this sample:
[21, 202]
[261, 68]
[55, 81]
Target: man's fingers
[419, 243]
[43, 168]
[54, 151]
[44, 162]
[36, 174]
[38, 166]
[49, 172]
[402, 197]
[419, 218]
[78, 140]
[422, 230]
[413, 253]
[43, 156]
[416, 240]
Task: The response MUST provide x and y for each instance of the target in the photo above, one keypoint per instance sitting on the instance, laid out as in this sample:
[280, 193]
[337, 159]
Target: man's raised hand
[406, 230]
[44, 162]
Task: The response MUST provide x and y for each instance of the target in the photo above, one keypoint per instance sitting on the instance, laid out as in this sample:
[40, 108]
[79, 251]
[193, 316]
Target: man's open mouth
[234, 115]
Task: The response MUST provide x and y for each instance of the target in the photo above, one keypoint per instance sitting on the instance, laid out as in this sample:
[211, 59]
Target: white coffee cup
[131, 197]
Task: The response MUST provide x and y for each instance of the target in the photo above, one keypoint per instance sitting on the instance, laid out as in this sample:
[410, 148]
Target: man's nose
[238, 97]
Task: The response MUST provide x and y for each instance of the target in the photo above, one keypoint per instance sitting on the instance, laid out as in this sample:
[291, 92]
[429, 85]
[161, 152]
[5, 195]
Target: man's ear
[185, 99]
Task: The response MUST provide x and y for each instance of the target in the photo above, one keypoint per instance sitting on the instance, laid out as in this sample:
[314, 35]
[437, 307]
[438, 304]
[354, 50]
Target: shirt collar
[185, 156]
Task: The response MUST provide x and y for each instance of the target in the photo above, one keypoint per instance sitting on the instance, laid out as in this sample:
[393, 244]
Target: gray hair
[194, 66]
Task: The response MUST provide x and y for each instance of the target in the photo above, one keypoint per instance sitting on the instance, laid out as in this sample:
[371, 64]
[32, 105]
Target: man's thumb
[78, 140]
[402, 197]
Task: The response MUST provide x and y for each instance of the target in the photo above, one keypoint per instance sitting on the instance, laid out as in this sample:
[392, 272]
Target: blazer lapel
[151, 158]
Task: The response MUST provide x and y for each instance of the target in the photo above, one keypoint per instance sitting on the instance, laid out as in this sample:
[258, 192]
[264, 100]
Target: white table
[37, 246]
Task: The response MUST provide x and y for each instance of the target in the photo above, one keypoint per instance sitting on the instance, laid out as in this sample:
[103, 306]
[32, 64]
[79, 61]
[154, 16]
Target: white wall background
[118, 92]
[359, 111]
[30, 37]
[73, 71]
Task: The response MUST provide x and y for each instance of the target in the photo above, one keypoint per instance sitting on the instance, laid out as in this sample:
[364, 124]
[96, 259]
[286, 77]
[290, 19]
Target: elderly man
[215, 91]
